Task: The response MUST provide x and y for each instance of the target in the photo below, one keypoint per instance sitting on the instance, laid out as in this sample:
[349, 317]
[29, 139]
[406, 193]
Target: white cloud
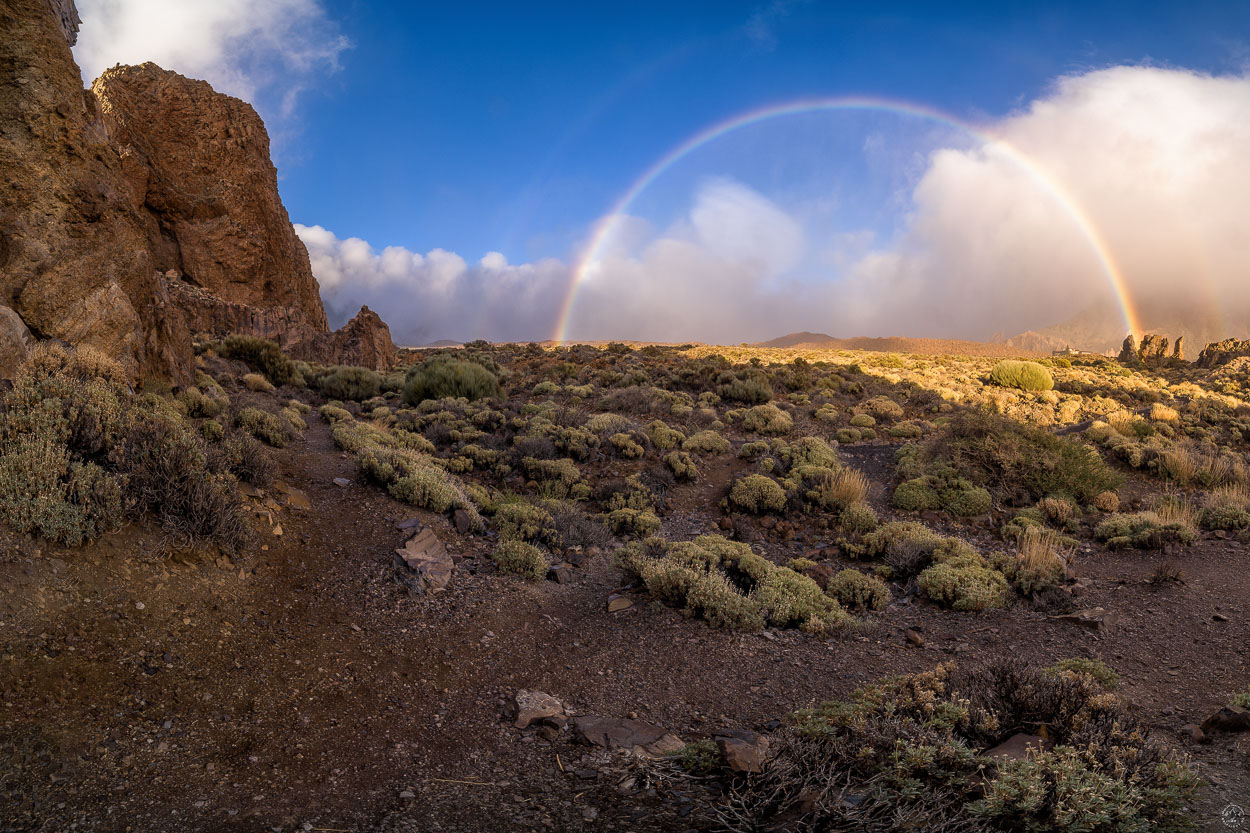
[1158, 160]
[264, 51]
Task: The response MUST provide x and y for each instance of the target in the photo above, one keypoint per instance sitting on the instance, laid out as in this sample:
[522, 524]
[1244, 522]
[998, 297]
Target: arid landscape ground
[258, 574]
[301, 674]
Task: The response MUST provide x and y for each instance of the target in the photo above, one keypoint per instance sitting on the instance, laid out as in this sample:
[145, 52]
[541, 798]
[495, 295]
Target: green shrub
[858, 518]
[663, 437]
[1143, 530]
[444, 376]
[416, 478]
[681, 465]
[354, 383]
[257, 383]
[910, 749]
[525, 522]
[263, 425]
[626, 446]
[262, 356]
[857, 591]
[1096, 669]
[520, 559]
[767, 419]
[706, 442]
[79, 452]
[846, 436]
[700, 757]
[757, 493]
[640, 522]
[863, 421]
[964, 584]
[1016, 459]
[728, 586]
[749, 391]
[1029, 376]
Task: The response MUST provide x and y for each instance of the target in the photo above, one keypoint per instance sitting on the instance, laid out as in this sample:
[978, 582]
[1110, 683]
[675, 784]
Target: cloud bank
[264, 51]
[1156, 160]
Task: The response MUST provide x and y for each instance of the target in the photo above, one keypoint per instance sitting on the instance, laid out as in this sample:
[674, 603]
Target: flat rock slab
[617, 733]
[1096, 619]
[425, 555]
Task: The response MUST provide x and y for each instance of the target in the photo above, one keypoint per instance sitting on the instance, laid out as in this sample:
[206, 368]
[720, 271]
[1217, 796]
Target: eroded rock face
[74, 259]
[115, 194]
[1222, 352]
[15, 342]
[197, 165]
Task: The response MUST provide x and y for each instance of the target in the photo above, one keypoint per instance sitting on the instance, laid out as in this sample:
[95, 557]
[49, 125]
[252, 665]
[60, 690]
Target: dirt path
[310, 691]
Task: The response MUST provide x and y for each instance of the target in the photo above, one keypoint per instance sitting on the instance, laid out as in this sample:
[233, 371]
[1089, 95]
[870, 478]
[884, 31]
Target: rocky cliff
[121, 198]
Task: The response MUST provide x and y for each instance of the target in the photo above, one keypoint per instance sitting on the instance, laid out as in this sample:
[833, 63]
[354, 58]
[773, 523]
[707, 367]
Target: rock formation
[1152, 352]
[110, 190]
[74, 260]
[1222, 352]
[197, 165]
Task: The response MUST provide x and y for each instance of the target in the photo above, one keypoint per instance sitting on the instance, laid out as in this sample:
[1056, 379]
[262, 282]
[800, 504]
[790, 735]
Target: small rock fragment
[618, 602]
[531, 706]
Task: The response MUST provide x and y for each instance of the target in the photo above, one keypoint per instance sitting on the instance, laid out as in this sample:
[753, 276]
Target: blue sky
[509, 127]
[449, 163]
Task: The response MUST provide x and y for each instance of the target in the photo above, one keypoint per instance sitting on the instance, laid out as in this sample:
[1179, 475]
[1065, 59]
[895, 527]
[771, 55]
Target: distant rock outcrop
[1222, 352]
[1152, 352]
[109, 189]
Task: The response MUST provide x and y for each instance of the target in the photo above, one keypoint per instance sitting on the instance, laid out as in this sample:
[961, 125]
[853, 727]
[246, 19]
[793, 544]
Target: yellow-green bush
[767, 419]
[262, 356]
[858, 591]
[444, 376]
[682, 465]
[728, 586]
[346, 382]
[263, 425]
[1029, 376]
[757, 493]
[520, 559]
[706, 442]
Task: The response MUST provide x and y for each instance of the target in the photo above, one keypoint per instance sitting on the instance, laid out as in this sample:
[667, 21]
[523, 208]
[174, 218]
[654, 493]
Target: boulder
[425, 555]
[616, 732]
[1154, 350]
[532, 706]
[743, 750]
[15, 342]
[1128, 350]
[1228, 719]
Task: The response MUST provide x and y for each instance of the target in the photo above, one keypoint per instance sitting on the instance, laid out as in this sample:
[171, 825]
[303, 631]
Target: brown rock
[533, 706]
[114, 194]
[617, 602]
[1095, 618]
[1222, 352]
[1019, 747]
[1178, 351]
[560, 573]
[616, 733]
[424, 554]
[1128, 350]
[74, 257]
[1193, 732]
[743, 751]
[197, 162]
[1228, 719]
[914, 637]
[15, 342]
[1154, 350]
[463, 522]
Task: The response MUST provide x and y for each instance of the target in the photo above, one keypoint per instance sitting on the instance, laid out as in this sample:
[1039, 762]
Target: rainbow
[607, 225]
